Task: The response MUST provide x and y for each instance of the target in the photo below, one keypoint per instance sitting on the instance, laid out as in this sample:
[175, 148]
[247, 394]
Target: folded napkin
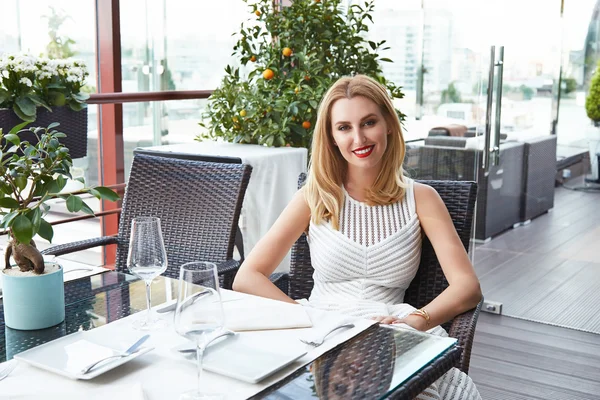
[121, 392]
[263, 315]
[324, 328]
[75, 270]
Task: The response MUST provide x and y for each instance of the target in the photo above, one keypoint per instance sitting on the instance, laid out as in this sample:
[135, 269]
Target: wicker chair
[199, 206]
[429, 282]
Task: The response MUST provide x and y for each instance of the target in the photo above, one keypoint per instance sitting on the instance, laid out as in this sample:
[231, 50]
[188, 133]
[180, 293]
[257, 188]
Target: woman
[364, 220]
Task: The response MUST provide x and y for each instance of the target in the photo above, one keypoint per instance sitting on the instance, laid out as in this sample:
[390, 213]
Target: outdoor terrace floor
[515, 358]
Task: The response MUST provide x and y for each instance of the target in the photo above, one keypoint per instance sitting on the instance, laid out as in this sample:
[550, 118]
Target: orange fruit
[257, 12]
[306, 78]
[287, 52]
[317, 1]
[253, 58]
[306, 124]
[243, 113]
[268, 74]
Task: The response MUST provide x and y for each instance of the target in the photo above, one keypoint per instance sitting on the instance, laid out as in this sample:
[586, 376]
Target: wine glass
[147, 259]
[199, 313]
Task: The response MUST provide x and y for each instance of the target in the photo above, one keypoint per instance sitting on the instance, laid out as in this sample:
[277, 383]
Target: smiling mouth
[364, 151]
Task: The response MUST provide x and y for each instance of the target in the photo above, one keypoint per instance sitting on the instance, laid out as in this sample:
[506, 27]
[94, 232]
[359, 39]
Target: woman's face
[360, 132]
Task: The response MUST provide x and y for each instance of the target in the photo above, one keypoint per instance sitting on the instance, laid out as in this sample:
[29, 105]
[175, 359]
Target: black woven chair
[429, 282]
[199, 206]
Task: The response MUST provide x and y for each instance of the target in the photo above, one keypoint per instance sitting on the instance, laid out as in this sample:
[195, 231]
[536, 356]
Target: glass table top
[371, 365]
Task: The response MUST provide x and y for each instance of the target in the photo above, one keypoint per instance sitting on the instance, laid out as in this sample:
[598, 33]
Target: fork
[318, 342]
[7, 369]
[131, 350]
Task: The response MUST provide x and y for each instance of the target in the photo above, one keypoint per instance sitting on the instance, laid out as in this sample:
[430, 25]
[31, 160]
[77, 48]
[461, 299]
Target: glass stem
[148, 302]
[199, 356]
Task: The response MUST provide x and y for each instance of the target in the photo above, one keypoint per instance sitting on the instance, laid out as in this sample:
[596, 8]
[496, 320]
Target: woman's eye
[370, 123]
[342, 127]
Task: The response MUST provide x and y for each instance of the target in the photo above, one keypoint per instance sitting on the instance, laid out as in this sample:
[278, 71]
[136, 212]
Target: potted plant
[592, 108]
[290, 57]
[44, 90]
[31, 175]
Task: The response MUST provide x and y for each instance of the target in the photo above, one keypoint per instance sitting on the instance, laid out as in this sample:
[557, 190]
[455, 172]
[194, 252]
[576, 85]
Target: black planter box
[72, 123]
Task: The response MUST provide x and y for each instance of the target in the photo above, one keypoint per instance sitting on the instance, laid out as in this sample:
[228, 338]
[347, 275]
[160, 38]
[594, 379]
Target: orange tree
[288, 59]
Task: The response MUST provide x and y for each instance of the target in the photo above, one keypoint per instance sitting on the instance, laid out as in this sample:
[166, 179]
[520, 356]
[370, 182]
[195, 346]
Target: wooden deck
[539, 266]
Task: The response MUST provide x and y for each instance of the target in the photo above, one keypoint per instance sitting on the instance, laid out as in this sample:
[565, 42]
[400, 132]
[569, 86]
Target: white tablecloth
[273, 182]
[162, 373]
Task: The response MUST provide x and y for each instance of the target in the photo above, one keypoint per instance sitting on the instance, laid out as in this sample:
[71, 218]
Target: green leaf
[25, 117]
[385, 59]
[105, 193]
[81, 96]
[39, 102]
[8, 218]
[4, 95]
[46, 231]
[21, 181]
[22, 229]
[80, 179]
[74, 203]
[75, 106]
[86, 209]
[60, 183]
[26, 105]
[18, 127]
[35, 216]
[53, 125]
[14, 139]
[9, 202]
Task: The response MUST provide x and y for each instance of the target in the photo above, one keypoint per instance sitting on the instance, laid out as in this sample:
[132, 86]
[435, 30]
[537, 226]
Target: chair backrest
[430, 281]
[198, 203]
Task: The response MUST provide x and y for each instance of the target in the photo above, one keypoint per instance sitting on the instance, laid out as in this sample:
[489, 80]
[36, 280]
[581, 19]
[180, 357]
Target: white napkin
[318, 333]
[121, 392]
[263, 314]
[73, 269]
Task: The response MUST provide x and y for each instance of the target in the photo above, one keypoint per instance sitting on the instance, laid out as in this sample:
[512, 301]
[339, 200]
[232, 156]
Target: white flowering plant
[28, 82]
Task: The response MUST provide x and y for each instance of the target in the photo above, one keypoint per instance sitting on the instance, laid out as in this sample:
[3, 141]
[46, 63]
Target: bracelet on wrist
[424, 314]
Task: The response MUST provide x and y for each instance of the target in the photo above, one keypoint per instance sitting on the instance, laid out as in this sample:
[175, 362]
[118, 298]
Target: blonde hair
[323, 189]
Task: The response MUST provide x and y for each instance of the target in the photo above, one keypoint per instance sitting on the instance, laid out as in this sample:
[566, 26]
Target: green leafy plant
[592, 101]
[28, 82]
[289, 58]
[31, 176]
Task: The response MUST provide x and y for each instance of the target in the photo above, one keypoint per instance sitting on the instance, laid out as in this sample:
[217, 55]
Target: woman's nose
[359, 137]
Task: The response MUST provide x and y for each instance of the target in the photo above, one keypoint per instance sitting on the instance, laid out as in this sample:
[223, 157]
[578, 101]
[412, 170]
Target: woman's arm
[253, 276]
[463, 292]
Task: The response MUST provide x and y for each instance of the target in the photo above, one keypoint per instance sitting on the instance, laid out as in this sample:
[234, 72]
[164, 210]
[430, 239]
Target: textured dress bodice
[365, 268]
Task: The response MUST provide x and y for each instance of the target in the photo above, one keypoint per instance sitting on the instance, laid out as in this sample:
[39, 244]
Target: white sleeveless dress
[364, 269]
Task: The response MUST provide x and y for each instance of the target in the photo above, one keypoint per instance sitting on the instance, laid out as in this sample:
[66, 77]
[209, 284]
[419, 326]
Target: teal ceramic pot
[33, 302]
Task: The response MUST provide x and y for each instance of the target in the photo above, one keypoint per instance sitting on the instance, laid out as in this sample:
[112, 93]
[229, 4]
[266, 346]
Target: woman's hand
[412, 320]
